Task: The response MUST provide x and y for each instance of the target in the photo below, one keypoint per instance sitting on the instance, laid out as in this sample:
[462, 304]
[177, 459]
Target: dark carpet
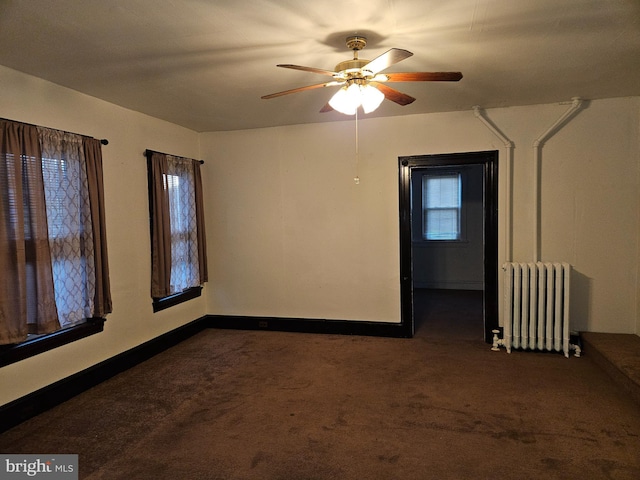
[229, 404]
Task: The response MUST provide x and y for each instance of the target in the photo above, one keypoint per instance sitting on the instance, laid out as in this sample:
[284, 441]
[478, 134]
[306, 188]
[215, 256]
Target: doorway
[412, 171]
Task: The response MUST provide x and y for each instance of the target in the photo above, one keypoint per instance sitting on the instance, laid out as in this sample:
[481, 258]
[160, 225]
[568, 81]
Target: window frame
[36, 344]
[162, 303]
[421, 230]
[427, 210]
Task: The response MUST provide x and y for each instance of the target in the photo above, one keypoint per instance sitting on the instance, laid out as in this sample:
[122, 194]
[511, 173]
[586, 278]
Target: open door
[422, 163]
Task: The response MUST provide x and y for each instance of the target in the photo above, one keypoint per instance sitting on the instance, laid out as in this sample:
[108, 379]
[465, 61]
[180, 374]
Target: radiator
[536, 307]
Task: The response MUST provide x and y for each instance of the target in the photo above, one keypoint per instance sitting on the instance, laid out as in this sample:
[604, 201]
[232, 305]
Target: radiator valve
[497, 342]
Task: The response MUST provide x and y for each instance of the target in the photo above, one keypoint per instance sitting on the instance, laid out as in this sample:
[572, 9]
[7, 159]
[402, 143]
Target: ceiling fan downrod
[355, 43]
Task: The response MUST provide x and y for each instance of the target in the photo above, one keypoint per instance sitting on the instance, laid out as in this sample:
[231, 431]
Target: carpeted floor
[231, 404]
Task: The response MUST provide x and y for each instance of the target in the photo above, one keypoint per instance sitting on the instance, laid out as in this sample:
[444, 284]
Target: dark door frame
[489, 160]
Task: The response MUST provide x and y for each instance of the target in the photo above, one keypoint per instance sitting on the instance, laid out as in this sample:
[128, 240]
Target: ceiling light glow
[349, 98]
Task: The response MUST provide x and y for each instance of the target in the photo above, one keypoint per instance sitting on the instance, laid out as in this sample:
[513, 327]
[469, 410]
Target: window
[442, 206]
[177, 229]
[53, 255]
[69, 240]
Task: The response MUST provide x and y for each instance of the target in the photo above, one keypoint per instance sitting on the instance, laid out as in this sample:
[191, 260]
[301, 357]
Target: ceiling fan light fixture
[346, 100]
[349, 98]
[362, 79]
[371, 98]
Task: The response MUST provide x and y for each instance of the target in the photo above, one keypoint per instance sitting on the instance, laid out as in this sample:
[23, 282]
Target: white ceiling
[205, 64]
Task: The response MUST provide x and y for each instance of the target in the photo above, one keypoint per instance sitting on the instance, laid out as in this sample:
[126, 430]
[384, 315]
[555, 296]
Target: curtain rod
[148, 151]
[103, 141]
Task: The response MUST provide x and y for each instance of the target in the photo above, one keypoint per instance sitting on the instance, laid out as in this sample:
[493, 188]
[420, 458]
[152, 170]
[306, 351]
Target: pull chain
[356, 179]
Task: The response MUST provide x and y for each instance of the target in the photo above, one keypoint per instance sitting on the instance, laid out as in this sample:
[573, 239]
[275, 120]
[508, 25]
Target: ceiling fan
[361, 81]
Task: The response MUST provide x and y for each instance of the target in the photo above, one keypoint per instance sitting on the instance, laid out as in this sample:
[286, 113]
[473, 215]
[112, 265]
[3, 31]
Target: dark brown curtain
[93, 158]
[160, 228]
[27, 299]
[202, 237]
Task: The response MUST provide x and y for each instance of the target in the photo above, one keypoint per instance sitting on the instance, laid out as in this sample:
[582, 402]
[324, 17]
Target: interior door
[408, 166]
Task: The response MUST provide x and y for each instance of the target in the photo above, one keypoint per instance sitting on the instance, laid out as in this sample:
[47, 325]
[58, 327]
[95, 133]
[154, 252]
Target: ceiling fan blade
[300, 89]
[393, 94]
[308, 69]
[419, 77]
[388, 58]
[326, 108]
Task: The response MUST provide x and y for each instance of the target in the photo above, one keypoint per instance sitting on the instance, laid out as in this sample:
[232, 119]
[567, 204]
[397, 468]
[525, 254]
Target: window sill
[38, 344]
[440, 243]
[166, 302]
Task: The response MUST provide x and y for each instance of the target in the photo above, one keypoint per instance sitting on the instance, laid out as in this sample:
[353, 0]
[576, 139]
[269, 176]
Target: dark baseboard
[30, 405]
[48, 397]
[302, 325]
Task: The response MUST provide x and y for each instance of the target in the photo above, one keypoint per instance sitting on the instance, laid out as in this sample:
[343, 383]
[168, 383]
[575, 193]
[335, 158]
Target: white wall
[28, 99]
[590, 191]
[291, 235]
[589, 202]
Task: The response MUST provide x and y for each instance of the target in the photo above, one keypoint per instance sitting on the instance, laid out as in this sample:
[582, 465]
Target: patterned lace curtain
[178, 238]
[69, 220]
[182, 211]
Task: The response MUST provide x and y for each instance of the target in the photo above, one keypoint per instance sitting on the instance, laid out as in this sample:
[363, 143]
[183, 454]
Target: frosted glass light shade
[371, 98]
[348, 99]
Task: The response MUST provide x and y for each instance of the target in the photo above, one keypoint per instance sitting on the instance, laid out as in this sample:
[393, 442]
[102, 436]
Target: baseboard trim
[21, 409]
[306, 325]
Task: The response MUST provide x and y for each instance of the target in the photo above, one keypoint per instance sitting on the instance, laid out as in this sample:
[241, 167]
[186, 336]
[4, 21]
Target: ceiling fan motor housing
[349, 66]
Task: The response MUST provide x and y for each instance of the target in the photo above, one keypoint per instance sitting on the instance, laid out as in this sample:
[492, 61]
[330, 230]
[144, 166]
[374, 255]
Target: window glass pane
[442, 202]
[442, 224]
[443, 191]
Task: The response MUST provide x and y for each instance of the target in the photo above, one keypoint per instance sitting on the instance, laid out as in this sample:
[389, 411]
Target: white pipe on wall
[479, 113]
[576, 103]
